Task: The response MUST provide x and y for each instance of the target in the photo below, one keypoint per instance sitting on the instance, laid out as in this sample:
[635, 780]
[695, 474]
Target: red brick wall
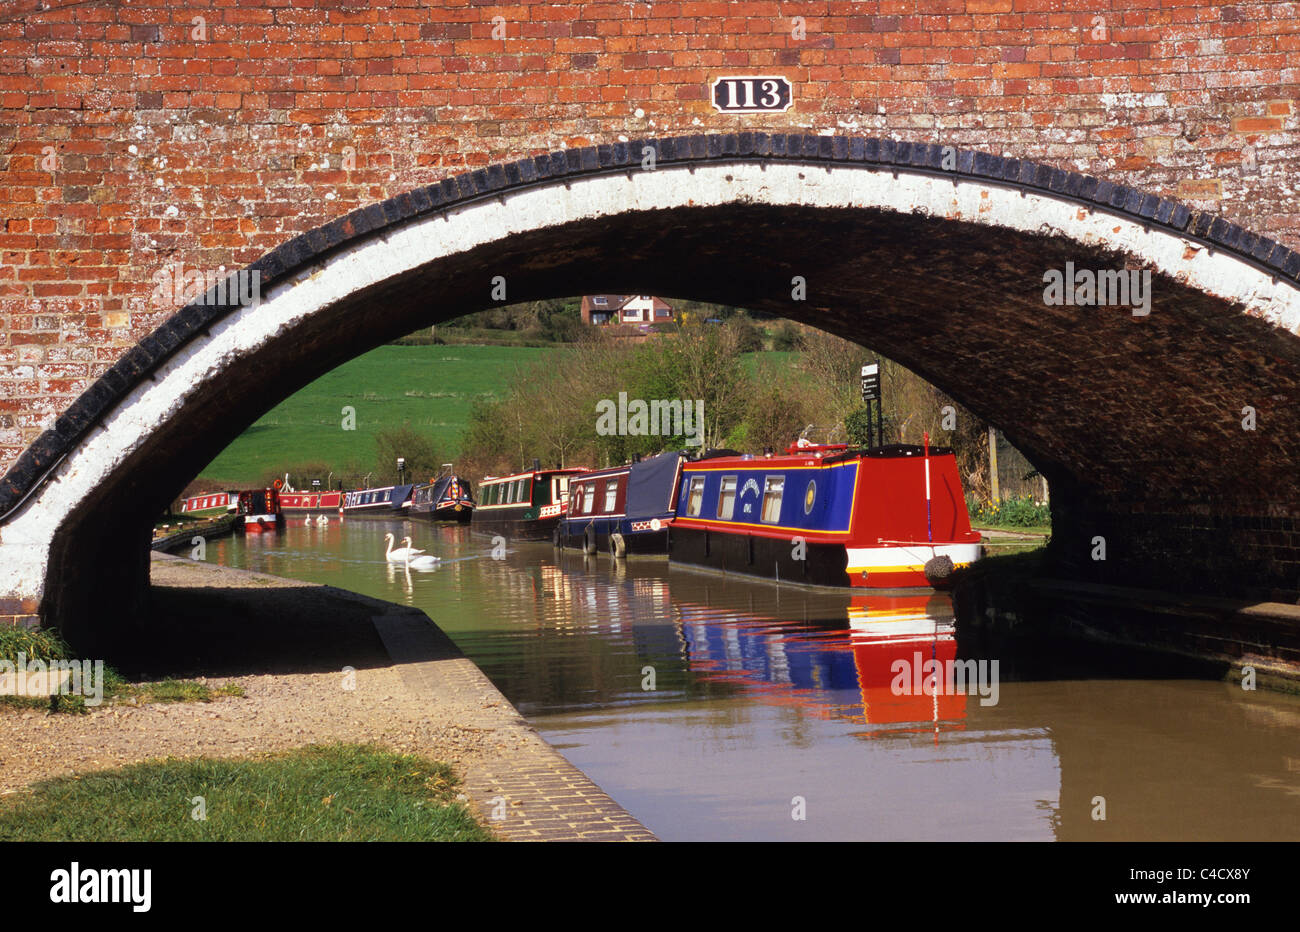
[126, 142]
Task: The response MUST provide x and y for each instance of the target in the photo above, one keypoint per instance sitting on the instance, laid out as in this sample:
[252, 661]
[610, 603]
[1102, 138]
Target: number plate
[760, 94]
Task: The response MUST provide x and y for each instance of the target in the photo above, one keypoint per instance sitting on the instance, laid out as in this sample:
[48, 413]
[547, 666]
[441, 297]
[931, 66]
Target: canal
[714, 708]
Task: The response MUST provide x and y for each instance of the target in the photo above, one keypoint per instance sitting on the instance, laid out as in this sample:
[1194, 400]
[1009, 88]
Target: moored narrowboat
[886, 517]
[447, 498]
[377, 503]
[523, 506]
[310, 503]
[260, 510]
[623, 510]
[210, 504]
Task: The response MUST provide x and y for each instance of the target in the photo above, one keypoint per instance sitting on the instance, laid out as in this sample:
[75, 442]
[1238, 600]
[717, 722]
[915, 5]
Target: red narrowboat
[886, 517]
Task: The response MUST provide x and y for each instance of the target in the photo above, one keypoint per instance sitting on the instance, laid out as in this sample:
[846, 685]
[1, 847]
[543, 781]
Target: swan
[399, 555]
[306, 521]
[322, 520]
[418, 558]
[422, 562]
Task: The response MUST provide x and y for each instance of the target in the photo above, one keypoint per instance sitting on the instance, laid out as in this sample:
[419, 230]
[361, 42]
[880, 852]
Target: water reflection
[706, 704]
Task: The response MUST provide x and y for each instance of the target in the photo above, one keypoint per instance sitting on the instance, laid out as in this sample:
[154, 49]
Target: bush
[857, 424]
[787, 337]
[1014, 512]
[422, 459]
[749, 339]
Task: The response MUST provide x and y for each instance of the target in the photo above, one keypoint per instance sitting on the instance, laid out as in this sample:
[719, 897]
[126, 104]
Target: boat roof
[607, 471]
[815, 457]
[564, 470]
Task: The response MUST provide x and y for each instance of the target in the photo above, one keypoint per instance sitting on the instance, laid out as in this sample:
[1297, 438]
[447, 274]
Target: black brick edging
[38, 460]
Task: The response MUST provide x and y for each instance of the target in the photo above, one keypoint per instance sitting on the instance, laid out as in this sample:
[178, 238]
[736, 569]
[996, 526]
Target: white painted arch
[26, 538]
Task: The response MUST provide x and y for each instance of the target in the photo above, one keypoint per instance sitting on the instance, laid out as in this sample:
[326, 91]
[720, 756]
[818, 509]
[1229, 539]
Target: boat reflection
[868, 666]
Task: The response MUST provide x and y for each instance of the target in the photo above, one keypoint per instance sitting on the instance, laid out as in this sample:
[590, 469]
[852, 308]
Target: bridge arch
[936, 258]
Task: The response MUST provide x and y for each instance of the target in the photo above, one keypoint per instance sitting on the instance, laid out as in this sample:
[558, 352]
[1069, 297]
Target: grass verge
[46, 646]
[320, 793]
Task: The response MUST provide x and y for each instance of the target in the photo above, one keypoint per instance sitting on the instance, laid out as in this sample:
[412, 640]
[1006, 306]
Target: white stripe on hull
[911, 556]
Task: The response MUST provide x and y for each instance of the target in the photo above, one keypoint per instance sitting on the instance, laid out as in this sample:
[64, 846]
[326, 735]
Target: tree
[422, 458]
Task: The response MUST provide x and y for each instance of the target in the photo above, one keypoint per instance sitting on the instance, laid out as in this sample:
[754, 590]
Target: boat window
[611, 495]
[773, 487]
[588, 495]
[727, 498]
[510, 488]
[561, 487]
[810, 496]
[695, 503]
[521, 490]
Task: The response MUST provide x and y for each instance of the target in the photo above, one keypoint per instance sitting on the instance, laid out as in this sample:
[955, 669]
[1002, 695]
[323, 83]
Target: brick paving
[530, 794]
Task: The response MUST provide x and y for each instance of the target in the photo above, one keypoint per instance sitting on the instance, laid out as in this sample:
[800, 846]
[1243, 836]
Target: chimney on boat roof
[537, 464]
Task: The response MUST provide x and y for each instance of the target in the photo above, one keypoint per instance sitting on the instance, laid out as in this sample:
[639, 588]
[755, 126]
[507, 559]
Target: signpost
[871, 398]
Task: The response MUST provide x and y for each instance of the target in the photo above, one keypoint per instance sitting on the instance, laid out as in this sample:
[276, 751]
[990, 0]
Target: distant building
[638, 310]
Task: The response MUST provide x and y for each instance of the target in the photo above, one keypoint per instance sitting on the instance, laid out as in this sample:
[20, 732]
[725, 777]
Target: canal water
[716, 708]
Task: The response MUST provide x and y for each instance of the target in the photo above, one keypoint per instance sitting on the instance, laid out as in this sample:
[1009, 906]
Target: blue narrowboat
[623, 510]
[382, 503]
[447, 498]
[886, 517]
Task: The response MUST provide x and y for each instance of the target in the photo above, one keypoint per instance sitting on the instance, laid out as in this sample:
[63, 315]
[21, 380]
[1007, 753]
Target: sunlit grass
[323, 793]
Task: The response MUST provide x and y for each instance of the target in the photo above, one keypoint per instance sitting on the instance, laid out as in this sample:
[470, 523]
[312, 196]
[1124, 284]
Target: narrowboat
[623, 510]
[260, 509]
[524, 506]
[210, 504]
[377, 503]
[822, 514]
[447, 498]
[310, 503]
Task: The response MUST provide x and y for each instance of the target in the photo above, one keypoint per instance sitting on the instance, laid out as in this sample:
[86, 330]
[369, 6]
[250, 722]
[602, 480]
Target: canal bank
[319, 665]
[1252, 644]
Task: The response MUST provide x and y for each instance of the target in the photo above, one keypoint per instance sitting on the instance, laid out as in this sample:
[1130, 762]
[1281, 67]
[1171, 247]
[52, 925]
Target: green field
[429, 388]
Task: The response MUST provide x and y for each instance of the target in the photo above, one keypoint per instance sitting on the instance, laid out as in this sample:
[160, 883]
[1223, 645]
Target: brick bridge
[380, 165]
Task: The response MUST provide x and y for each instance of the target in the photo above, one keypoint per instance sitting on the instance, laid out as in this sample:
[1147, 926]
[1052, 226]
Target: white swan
[418, 559]
[322, 520]
[400, 554]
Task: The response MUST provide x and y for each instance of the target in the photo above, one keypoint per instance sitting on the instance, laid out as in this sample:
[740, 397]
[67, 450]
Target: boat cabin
[524, 506]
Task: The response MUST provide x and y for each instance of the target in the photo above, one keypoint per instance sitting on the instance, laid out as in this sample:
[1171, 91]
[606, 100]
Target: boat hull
[832, 565]
[764, 557]
[573, 536]
[261, 524]
[460, 514]
[514, 524]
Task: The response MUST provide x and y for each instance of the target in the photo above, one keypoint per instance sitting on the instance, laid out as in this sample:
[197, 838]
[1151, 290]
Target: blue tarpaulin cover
[651, 487]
